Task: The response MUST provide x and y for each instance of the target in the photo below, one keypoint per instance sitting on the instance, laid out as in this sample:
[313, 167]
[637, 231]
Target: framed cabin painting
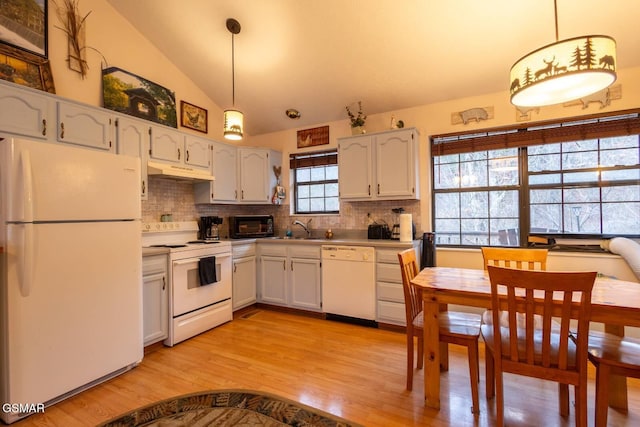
[128, 93]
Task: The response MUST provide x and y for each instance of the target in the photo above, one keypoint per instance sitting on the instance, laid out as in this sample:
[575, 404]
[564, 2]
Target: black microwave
[248, 226]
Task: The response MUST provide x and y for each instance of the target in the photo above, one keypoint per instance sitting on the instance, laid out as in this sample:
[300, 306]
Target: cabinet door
[396, 165]
[244, 282]
[305, 283]
[25, 113]
[254, 175]
[86, 126]
[197, 153]
[132, 139]
[167, 145]
[156, 308]
[355, 164]
[273, 279]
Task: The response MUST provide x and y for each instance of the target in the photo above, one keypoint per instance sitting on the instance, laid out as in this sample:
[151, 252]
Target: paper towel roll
[406, 228]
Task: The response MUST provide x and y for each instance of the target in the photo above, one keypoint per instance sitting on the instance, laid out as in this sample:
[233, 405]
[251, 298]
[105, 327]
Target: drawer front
[388, 273]
[240, 251]
[389, 256]
[391, 312]
[304, 251]
[391, 292]
[273, 250]
[154, 264]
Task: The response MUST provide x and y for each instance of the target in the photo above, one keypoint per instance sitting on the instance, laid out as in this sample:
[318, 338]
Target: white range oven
[200, 286]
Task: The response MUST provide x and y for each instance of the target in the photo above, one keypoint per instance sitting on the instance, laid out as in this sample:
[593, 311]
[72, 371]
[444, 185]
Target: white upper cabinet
[132, 139]
[242, 175]
[25, 113]
[397, 165]
[86, 126]
[381, 166]
[254, 175]
[355, 163]
[224, 168]
[197, 152]
[166, 145]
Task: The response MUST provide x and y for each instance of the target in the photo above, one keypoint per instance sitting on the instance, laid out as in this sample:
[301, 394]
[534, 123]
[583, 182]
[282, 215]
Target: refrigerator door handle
[26, 265]
[27, 186]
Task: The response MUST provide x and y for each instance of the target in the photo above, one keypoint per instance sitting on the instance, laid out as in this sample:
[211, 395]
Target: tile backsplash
[168, 196]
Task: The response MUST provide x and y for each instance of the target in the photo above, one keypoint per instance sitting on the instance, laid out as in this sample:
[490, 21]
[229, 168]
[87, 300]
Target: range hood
[182, 173]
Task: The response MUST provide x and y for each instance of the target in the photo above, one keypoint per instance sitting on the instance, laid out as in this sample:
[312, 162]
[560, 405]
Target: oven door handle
[192, 260]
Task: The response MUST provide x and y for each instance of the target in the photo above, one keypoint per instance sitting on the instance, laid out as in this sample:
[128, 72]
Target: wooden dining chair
[455, 327]
[521, 347]
[524, 259]
[611, 355]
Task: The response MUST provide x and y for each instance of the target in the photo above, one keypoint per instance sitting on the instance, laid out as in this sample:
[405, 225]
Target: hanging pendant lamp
[563, 71]
[233, 119]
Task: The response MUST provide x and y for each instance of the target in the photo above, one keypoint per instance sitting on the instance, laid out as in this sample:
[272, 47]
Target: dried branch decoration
[73, 27]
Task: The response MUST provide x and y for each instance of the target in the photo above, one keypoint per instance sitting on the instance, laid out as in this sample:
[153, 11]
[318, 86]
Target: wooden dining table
[615, 303]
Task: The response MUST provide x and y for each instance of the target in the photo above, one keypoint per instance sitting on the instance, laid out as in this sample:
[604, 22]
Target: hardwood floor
[352, 371]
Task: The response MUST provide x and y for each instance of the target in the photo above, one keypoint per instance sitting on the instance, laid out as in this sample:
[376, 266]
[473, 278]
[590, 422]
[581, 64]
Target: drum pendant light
[563, 71]
[233, 119]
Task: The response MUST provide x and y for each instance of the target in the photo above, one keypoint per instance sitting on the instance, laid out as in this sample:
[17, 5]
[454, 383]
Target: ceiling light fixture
[564, 70]
[233, 119]
[292, 113]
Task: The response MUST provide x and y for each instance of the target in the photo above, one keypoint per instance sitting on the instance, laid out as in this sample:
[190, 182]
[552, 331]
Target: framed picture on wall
[312, 137]
[23, 24]
[128, 93]
[193, 117]
[24, 68]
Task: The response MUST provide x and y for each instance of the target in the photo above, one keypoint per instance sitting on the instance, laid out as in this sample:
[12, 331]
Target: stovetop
[177, 236]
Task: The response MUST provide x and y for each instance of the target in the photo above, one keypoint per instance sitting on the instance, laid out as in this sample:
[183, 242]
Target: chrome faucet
[303, 225]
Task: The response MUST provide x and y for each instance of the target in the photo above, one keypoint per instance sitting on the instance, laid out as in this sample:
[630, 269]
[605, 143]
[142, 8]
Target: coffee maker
[209, 227]
[395, 230]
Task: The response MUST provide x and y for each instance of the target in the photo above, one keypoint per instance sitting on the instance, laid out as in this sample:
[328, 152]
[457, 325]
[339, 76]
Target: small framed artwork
[312, 137]
[24, 68]
[24, 25]
[193, 117]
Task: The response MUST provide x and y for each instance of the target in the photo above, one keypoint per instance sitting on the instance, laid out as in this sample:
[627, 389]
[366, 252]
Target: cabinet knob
[164, 283]
[144, 187]
[187, 155]
[44, 127]
[61, 130]
[178, 154]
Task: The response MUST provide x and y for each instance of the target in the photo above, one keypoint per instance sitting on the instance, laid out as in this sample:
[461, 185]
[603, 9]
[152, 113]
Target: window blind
[316, 158]
[598, 126]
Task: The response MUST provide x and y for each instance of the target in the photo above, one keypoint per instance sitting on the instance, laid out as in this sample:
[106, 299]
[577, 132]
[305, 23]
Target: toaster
[378, 231]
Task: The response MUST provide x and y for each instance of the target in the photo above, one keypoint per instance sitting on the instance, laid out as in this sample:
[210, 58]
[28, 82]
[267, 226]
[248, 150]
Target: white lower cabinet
[290, 275]
[390, 295]
[155, 289]
[244, 275]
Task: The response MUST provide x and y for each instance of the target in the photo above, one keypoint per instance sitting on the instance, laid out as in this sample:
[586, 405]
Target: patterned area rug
[227, 408]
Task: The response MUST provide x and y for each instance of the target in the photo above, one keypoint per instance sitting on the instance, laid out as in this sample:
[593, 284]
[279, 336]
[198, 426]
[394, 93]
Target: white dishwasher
[348, 281]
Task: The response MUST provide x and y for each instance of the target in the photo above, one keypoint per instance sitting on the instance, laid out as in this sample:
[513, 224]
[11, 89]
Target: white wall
[124, 47]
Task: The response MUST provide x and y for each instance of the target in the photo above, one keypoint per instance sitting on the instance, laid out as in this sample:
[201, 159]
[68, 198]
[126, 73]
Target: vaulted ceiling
[318, 56]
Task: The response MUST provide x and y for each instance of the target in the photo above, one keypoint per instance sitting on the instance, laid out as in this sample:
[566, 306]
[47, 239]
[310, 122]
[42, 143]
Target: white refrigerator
[71, 271]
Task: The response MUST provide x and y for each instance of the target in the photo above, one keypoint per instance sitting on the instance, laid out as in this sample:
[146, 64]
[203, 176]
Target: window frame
[312, 159]
[591, 127]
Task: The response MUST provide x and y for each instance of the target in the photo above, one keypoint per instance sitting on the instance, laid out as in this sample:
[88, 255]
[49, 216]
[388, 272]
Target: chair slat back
[527, 297]
[412, 295]
[520, 258]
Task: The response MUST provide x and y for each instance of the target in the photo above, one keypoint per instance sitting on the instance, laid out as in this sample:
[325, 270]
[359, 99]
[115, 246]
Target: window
[573, 179]
[315, 182]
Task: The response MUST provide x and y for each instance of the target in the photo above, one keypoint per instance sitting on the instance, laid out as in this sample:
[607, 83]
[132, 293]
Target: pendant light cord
[555, 13]
[233, 68]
